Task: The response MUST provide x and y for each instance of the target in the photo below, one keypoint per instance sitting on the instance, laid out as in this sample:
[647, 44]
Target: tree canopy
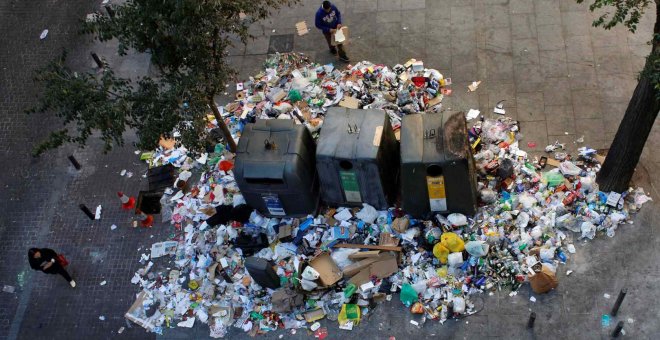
[639, 118]
[187, 41]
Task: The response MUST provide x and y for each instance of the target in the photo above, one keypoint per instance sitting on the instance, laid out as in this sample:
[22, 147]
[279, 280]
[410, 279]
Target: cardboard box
[400, 224]
[386, 265]
[327, 268]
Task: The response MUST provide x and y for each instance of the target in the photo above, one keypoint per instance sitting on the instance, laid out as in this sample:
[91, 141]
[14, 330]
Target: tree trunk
[223, 126]
[630, 138]
[635, 127]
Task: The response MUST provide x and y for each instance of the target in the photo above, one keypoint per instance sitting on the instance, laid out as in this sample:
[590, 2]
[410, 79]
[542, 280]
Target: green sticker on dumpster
[350, 185]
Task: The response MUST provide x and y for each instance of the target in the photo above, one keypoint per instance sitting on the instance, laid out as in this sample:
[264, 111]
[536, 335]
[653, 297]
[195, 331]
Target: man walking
[328, 20]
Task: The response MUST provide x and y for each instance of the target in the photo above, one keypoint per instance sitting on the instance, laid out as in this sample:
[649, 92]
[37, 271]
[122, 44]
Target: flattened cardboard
[553, 162]
[354, 268]
[327, 268]
[364, 254]
[361, 277]
[385, 268]
[349, 102]
[386, 239]
[366, 246]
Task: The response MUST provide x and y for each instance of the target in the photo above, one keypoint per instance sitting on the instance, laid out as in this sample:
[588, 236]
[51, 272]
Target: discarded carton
[302, 29]
[327, 268]
[543, 281]
[314, 315]
[349, 102]
[284, 300]
[386, 239]
[400, 224]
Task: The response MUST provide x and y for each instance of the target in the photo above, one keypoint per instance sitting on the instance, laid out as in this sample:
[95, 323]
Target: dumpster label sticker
[350, 185]
[274, 205]
[437, 196]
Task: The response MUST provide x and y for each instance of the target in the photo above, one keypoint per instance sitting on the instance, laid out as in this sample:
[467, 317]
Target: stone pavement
[559, 76]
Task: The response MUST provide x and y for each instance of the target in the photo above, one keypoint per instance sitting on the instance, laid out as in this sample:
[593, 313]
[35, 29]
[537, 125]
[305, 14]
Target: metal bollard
[618, 329]
[619, 300]
[87, 211]
[98, 60]
[532, 318]
[74, 162]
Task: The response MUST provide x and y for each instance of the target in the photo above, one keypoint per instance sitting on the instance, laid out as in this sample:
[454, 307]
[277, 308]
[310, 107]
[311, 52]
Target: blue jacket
[327, 21]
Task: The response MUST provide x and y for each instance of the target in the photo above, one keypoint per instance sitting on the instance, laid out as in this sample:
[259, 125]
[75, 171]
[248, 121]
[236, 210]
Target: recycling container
[437, 168]
[275, 168]
[357, 158]
[262, 272]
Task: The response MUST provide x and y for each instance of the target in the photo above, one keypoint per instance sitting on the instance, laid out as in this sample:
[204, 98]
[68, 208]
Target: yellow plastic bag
[441, 252]
[452, 242]
[349, 312]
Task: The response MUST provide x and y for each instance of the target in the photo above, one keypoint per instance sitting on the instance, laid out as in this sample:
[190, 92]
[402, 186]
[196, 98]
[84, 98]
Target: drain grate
[280, 43]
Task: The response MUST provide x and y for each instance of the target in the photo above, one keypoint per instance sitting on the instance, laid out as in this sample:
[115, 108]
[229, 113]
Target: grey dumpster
[357, 158]
[437, 168]
[275, 168]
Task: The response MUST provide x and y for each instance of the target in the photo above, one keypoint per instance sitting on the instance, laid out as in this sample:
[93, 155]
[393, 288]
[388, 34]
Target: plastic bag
[441, 252]
[588, 230]
[553, 178]
[349, 312]
[477, 248]
[457, 220]
[408, 295]
[455, 259]
[488, 195]
[367, 214]
[527, 200]
[452, 242]
[569, 169]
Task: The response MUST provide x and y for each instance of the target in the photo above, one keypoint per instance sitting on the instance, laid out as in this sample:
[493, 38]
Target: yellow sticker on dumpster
[437, 196]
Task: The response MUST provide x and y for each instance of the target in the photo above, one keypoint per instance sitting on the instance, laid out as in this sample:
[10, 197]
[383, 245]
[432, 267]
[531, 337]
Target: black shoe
[333, 50]
[344, 58]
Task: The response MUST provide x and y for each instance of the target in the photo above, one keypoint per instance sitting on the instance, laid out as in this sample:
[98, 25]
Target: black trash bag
[505, 170]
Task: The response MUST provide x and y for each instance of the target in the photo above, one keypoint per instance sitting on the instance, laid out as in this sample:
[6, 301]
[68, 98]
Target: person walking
[328, 20]
[45, 260]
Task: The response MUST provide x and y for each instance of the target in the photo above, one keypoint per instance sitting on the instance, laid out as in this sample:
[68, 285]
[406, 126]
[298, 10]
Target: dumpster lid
[351, 133]
[434, 137]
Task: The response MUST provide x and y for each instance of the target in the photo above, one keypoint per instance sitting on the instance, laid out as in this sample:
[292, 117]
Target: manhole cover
[280, 43]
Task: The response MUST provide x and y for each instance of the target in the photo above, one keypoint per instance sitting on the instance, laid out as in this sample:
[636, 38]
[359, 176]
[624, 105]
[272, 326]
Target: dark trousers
[340, 47]
[57, 269]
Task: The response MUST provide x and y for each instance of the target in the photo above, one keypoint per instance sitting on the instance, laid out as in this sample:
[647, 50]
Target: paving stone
[560, 119]
[550, 37]
[530, 106]
[586, 104]
[523, 26]
[553, 63]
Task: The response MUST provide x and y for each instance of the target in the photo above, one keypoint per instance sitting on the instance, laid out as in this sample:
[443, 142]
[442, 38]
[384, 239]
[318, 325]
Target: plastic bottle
[350, 289]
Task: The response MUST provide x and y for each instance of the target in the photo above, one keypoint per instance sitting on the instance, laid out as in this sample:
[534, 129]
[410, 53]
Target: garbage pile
[232, 267]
